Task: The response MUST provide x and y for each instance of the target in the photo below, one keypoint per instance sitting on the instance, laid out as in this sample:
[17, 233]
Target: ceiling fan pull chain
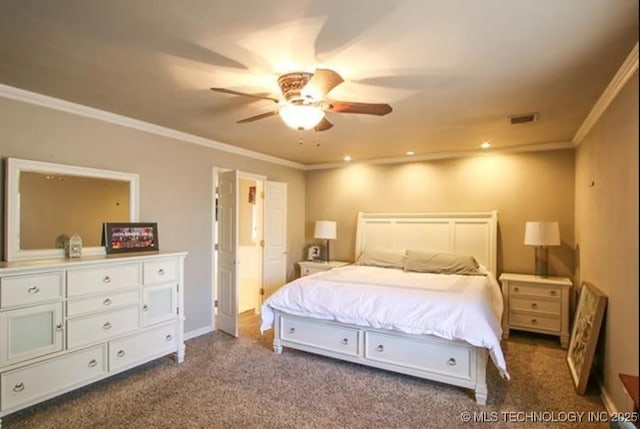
[300, 138]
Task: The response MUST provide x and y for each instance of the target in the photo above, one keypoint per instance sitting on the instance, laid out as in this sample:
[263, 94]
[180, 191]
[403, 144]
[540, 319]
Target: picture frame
[584, 334]
[122, 237]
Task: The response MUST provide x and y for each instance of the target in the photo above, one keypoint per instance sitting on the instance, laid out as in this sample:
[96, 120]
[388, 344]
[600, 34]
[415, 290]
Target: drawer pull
[534, 322]
[120, 353]
[59, 327]
[292, 330]
[107, 301]
[106, 279]
[145, 307]
[161, 272]
[93, 363]
[107, 325]
[553, 293]
[516, 289]
[33, 289]
[169, 337]
[18, 387]
[380, 348]
[345, 341]
[534, 305]
[452, 362]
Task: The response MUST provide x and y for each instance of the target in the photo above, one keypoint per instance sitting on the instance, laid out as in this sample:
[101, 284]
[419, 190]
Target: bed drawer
[449, 359]
[534, 322]
[535, 305]
[548, 291]
[330, 337]
[103, 279]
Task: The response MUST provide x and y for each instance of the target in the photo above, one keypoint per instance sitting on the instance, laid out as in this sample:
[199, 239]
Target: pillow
[441, 263]
[382, 258]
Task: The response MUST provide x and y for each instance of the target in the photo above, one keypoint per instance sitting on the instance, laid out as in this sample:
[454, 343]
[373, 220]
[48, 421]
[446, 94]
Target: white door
[274, 263]
[228, 252]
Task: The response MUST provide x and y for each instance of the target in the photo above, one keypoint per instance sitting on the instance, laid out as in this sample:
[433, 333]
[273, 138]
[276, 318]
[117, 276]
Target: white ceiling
[453, 70]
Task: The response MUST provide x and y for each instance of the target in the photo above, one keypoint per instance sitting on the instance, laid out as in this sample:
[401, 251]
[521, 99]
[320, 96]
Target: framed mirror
[45, 203]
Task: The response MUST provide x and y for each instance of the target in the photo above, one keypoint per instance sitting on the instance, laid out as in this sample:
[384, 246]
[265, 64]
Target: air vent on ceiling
[523, 119]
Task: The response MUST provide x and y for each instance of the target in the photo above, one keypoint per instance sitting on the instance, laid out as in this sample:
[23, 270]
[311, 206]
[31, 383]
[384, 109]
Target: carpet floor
[240, 383]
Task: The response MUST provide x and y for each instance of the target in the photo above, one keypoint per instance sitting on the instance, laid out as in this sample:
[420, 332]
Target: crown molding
[626, 70]
[125, 121]
[538, 147]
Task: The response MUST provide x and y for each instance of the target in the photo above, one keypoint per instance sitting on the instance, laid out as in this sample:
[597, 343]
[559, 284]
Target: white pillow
[382, 258]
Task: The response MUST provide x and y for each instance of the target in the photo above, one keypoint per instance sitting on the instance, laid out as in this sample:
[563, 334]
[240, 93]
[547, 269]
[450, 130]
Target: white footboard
[425, 356]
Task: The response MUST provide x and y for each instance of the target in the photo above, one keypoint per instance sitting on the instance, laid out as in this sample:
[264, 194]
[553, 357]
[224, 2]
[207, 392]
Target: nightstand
[536, 304]
[311, 267]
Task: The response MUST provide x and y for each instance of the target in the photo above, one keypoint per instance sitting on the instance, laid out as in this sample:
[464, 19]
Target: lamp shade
[325, 230]
[300, 116]
[542, 234]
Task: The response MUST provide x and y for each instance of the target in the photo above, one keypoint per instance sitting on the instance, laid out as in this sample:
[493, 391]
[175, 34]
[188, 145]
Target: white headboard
[466, 233]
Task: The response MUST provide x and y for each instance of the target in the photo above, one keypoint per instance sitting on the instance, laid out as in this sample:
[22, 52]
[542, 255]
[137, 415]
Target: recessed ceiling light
[410, 153]
[347, 158]
[485, 145]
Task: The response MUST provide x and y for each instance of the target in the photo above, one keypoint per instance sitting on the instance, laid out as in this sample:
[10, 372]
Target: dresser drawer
[127, 351]
[102, 279]
[30, 289]
[23, 385]
[534, 290]
[87, 330]
[534, 322]
[535, 305]
[444, 358]
[106, 301]
[164, 270]
[329, 337]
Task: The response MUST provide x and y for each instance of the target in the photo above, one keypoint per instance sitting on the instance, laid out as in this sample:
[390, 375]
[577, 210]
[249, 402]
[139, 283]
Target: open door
[274, 263]
[228, 252]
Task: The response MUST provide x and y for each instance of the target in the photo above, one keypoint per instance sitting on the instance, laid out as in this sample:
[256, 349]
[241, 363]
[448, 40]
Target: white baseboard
[606, 400]
[197, 332]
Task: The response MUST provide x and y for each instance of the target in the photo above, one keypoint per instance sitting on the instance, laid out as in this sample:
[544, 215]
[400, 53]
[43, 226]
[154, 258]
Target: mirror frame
[15, 166]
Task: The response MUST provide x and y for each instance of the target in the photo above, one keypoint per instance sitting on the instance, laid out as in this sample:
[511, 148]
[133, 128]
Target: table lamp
[325, 230]
[542, 235]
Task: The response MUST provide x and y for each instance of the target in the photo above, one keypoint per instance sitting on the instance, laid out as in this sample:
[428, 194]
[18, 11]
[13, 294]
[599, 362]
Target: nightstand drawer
[529, 289]
[534, 322]
[306, 271]
[536, 305]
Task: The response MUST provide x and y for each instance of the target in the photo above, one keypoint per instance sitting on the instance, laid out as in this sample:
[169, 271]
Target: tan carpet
[241, 383]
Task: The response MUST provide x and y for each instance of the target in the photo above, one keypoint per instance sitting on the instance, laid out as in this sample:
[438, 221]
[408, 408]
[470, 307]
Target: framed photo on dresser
[120, 237]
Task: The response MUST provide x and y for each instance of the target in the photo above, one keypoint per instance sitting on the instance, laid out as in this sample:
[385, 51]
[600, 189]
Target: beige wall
[526, 186]
[175, 183]
[607, 231]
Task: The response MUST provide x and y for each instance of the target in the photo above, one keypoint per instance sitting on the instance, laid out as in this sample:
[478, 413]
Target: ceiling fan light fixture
[301, 117]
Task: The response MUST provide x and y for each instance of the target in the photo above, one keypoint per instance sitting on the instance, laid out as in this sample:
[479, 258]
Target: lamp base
[542, 261]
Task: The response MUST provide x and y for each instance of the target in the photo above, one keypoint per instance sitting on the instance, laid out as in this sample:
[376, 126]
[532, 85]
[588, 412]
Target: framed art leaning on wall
[584, 336]
[130, 237]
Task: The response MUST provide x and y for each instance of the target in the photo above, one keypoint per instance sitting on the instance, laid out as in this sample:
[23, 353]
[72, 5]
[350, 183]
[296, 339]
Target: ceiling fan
[303, 103]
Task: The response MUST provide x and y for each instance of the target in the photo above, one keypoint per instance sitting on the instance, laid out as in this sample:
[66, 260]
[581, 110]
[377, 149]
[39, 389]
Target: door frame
[214, 232]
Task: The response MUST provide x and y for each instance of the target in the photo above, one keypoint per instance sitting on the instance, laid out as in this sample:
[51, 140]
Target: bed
[379, 318]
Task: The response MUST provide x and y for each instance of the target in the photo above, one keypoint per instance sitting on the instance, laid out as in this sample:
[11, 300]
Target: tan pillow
[441, 263]
[382, 258]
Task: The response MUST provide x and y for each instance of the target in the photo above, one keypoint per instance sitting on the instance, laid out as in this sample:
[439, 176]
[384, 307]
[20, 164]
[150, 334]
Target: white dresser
[68, 323]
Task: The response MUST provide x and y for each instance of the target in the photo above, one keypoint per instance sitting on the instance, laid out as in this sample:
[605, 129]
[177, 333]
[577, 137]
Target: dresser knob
[452, 362]
[169, 337]
[107, 301]
[534, 322]
[553, 293]
[120, 353]
[18, 387]
[145, 307]
[93, 363]
[59, 327]
[161, 272]
[107, 325]
[345, 341]
[380, 348]
[534, 305]
[106, 279]
[292, 330]
[33, 289]
[516, 289]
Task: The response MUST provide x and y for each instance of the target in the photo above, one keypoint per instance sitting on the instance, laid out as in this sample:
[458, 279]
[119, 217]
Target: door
[274, 262]
[160, 303]
[228, 252]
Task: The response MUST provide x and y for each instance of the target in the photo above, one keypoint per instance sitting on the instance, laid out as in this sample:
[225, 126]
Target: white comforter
[467, 308]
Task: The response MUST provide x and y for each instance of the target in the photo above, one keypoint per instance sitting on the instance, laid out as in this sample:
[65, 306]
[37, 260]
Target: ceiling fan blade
[321, 83]
[323, 125]
[232, 92]
[379, 109]
[260, 116]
